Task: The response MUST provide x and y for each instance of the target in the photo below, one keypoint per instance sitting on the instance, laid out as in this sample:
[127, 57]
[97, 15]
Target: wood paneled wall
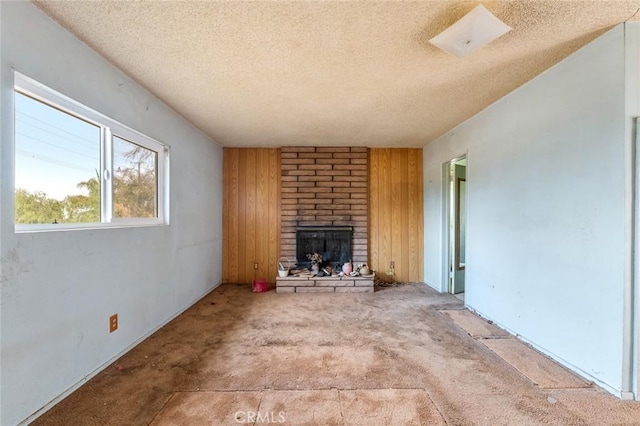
[396, 212]
[251, 214]
[252, 205]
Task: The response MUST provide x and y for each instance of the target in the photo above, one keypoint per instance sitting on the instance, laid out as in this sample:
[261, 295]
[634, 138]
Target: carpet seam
[162, 408]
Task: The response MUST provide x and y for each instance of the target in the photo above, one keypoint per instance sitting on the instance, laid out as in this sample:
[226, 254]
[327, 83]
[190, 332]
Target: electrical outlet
[392, 265]
[255, 265]
[113, 323]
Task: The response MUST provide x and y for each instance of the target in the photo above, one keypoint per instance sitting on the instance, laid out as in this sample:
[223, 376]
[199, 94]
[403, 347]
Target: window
[75, 168]
[135, 183]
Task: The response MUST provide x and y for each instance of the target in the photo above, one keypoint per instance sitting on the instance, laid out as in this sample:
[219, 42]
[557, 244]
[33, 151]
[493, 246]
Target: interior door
[459, 221]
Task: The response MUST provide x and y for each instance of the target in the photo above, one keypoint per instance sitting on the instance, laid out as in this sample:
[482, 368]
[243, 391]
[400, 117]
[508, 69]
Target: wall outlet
[255, 265]
[113, 323]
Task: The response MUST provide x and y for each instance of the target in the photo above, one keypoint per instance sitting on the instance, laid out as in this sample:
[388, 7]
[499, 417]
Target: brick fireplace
[324, 187]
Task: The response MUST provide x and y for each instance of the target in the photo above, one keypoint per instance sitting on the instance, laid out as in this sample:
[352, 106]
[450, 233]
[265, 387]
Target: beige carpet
[389, 358]
[537, 367]
[314, 407]
[474, 325]
[541, 370]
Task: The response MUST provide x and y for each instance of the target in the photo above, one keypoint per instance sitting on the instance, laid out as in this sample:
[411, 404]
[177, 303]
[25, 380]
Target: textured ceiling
[279, 73]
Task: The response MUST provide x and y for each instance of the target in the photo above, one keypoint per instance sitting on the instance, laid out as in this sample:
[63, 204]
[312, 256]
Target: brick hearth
[324, 186]
[324, 285]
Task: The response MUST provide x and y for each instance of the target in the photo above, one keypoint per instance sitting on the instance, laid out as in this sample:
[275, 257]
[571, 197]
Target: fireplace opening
[333, 243]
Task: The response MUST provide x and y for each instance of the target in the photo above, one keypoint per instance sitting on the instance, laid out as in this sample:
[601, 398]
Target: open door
[457, 224]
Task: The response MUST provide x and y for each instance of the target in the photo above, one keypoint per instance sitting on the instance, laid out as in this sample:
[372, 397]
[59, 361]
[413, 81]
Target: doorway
[455, 198]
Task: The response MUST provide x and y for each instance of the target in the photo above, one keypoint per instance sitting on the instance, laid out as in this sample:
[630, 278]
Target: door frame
[631, 298]
[447, 203]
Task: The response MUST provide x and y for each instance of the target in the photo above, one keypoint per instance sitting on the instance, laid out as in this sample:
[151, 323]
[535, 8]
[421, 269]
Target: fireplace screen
[333, 243]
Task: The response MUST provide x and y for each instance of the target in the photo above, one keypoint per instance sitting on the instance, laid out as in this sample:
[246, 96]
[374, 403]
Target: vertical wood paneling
[251, 219]
[250, 213]
[274, 211]
[242, 219]
[396, 207]
[262, 206]
[404, 210]
[414, 208]
[396, 212]
[234, 226]
[384, 210]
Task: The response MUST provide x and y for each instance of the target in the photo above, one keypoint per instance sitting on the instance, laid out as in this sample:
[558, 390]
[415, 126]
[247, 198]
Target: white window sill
[27, 229]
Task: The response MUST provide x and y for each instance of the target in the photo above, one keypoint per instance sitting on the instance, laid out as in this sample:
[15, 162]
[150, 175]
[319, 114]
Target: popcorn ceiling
[328, 73]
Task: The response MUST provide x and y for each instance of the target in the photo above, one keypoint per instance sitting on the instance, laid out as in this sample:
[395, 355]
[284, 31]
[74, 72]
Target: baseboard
[110, 361]
[433, 287]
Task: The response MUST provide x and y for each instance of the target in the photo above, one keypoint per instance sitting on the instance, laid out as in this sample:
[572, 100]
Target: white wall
[59, 288]
[546, 210]
[632, 291]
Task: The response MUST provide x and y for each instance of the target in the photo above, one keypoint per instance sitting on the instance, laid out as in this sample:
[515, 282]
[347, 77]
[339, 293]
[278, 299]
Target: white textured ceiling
[278, 73]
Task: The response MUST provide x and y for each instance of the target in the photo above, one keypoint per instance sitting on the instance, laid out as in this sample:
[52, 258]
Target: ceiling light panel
[474, 30]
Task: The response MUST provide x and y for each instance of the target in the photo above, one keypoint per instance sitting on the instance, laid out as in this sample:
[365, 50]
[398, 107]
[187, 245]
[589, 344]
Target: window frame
[109, 129]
